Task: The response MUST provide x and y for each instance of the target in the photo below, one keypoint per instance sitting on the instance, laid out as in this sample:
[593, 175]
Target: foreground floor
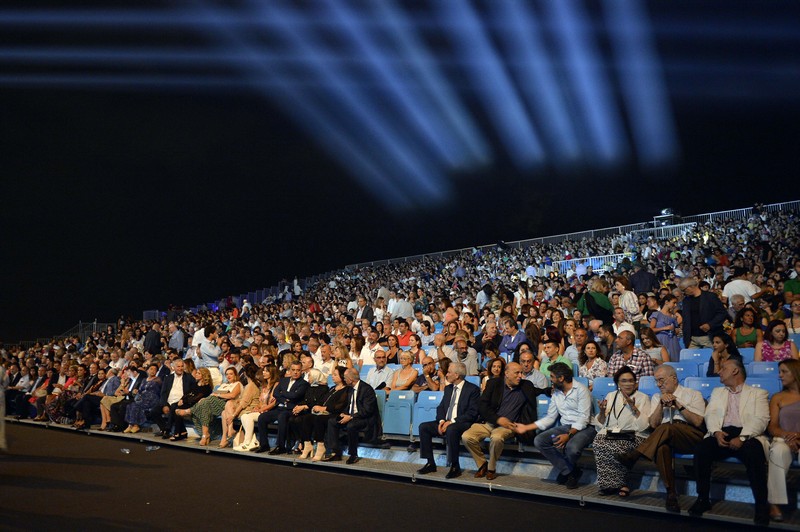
[77, 481]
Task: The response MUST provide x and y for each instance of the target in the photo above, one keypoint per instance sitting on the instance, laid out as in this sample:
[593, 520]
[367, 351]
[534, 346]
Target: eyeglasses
[662, 380]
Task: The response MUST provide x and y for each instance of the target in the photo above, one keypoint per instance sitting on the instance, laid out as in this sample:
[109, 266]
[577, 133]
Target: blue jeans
[564, 460]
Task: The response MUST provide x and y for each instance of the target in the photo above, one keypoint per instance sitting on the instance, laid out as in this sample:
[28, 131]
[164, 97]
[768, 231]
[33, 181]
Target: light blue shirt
[574, 407]
[375, 377]
[209, 355]
[572, 353]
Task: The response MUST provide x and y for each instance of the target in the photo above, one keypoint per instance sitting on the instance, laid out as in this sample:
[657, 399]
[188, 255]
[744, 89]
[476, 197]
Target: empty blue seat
[647, 385]
[398, 412]
[763, 369]
[365, 369]
[542, 404]
[417, 367]
[582, 380]
[425, 409]
[601, 387]
[698, 356]
[771, 384]
[795, 338]
[405, 348]
[684, 369]
[704, 385]
[380, 395]
[474, 379]
[748, 354]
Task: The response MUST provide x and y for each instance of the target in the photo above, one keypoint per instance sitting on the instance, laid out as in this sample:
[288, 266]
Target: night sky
[119, 200]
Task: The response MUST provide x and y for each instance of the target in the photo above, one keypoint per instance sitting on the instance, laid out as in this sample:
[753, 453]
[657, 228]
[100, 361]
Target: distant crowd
[311, 361]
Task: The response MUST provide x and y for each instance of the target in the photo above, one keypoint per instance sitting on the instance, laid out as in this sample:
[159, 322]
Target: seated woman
[175, 423]
[269, 378]
[404, 378]
[496, 368]
[784, 427]
[591, 365]
[247, 402]
[147, 396]
[313, 427]
[393, 352]
[107, 401]
[723, 348]
[316, 392]
[653, 347]
[793, 321]
[416, 351]
[622, 422]
[745, 332]
[776, 346]
[426, 333]
[204, 412]
[56, 403]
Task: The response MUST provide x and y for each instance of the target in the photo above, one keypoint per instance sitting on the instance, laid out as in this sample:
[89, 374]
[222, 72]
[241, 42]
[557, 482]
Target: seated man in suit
[289, 391]
[136, 379]
[455, 414]
[504, 403]
[361, 414]
[176, 385]
[736, 417]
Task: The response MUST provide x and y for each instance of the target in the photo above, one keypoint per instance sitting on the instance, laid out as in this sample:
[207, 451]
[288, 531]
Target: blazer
[189, 384]
[141, 376]
[712, 311]
[467, 411]
[493, 396]
[368, 314]
[367, 404]
[290, 398]
[753, 410]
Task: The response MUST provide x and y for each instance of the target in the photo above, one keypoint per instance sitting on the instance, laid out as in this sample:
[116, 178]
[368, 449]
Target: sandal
[179, 437]
[204, 440]
[624, 491]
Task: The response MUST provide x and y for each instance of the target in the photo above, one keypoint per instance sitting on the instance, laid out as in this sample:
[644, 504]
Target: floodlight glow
[495, 89]
[587, 80]
[536, 77]
[644, 91]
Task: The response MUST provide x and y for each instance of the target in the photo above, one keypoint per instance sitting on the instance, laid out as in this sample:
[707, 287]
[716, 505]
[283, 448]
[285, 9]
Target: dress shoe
[261, 449]
[572, 480]
[427, 468]
[481, 472]
[352, 459]
[562, 478]
[672, 503]
[700, 507]
[277, 451]
[491, 475]
[335, 457]
[454, 472]
[628, 459]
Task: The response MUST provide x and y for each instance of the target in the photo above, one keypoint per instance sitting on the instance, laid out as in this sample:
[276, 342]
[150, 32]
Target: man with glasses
[677, 417]
[380, 376]
[428, 380]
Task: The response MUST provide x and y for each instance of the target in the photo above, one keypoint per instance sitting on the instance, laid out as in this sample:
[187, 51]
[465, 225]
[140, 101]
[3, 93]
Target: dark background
[116, 200]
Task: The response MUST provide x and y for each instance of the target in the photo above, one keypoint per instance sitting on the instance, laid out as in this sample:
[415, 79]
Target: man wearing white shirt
[676, 416]
[325, 363]
[380, 376]
[563, 445]
[367, 356]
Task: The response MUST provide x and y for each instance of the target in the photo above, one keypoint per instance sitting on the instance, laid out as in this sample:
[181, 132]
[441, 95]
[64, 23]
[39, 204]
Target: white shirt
[367, 356]
[691, 399]
[741, 287]
[176, 392]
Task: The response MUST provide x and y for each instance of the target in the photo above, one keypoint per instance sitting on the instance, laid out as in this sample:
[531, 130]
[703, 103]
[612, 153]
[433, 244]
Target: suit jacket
[712, 311]
[753, 410]
[141, 376]
[493, 396]
[189, 384]
[368, 314]
[290, 398]
[367, 404]
[163, 372]
[467, 411]
[152, 342]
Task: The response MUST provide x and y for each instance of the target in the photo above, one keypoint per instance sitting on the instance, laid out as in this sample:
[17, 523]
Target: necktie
[452, 403]
[352, 402]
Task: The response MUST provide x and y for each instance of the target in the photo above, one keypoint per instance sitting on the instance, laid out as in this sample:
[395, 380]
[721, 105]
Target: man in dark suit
[505, 402]
[703, 314]
[455, 414]
[176, 385]
[361, 414]
[152, 340]
[364, 311]
[289, 391]
[118, 409]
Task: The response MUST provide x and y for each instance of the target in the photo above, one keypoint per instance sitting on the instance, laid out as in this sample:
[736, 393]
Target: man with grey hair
[703, 314]
[456, 413]
[737, 303]
[676, 416]
[360, 414]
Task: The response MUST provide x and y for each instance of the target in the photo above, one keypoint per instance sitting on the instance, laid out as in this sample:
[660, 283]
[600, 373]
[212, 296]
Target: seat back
[398, 413]
[704, 385]
[698, 356]
[425, 409]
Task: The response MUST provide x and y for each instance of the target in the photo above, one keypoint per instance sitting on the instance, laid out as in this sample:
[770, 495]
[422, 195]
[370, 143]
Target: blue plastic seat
[698, 356]
[542, 404]
[397, 413]
[601, 387]
[647, 385]
[771, 384]
[365, 369]
[582, 380]
[748, 354]
[425, 409]
[380, 396]
[704, 385]
[474, 379]
[763, 369]
[684, 369]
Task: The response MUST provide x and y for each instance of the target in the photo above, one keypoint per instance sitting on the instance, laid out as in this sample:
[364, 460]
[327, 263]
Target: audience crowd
[511, 317]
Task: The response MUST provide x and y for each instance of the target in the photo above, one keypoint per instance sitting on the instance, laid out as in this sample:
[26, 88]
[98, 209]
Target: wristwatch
[744, 438]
